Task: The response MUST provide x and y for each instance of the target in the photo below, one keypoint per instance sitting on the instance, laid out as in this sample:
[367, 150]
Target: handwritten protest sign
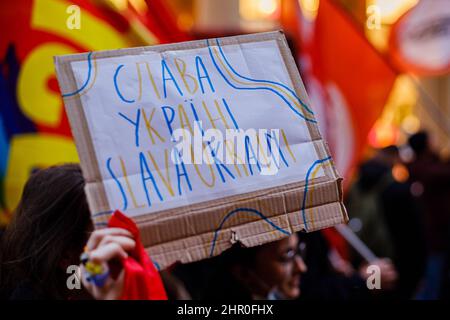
[202, 143]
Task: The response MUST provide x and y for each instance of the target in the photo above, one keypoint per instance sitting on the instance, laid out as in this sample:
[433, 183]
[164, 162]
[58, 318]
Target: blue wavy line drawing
[230, 214]
[305, 192]
[263, 81]
[101, 224]
[102, 213]
[87, 80]
[256, 88]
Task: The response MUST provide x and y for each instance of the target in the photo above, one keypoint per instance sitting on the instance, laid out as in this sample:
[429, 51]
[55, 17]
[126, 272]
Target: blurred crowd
[399, 208]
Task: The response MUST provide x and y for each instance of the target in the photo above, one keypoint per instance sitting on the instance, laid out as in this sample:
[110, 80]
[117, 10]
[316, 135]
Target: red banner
[347, 80]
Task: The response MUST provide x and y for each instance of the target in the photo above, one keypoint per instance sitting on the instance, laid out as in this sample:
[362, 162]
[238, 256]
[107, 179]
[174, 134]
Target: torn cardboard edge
[198, 231]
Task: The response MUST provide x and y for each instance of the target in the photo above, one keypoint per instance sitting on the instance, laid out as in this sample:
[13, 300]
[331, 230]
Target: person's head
[419, 143]
[48, 231]
[388, 155]
[265, 268]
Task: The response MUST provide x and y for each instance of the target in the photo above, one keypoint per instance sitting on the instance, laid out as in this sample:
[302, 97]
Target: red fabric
[141, 279]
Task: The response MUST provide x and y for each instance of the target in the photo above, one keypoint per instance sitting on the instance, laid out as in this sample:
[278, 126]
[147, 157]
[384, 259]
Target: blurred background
[376, 72]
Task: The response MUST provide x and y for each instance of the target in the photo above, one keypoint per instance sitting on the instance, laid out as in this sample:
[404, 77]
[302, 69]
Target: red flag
[348, 83]
[141, 279]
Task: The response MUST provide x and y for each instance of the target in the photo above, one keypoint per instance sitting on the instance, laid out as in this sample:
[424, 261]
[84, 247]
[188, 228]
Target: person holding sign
[200, 143]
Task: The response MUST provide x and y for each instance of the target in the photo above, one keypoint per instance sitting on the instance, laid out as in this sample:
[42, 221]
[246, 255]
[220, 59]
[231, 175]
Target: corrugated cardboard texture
[206, 229]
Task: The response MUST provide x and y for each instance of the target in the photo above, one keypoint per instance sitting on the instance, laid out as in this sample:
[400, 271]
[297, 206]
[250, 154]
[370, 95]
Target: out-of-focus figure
[331, 277]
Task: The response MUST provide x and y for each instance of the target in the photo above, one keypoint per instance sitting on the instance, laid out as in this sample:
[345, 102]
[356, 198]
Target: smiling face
[276, 265]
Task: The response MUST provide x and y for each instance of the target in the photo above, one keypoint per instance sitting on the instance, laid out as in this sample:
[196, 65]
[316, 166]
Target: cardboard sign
[203, 143]
[422, 29]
